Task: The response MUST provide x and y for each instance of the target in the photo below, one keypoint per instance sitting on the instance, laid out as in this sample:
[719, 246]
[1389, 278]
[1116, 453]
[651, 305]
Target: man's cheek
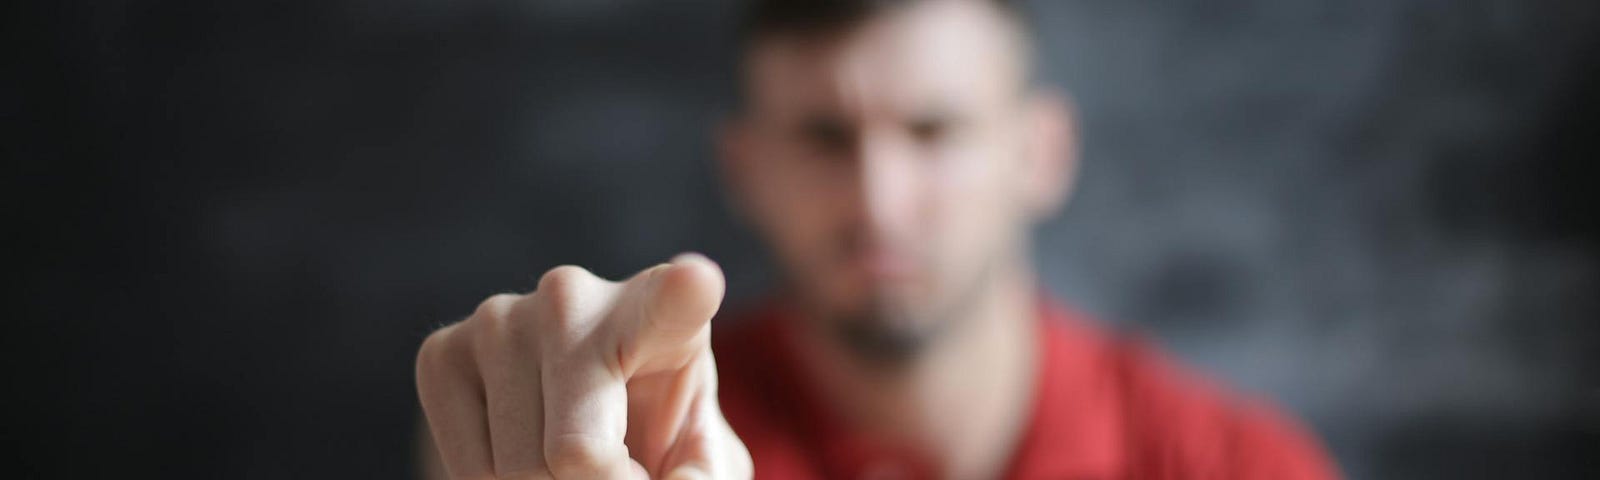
[971, 235]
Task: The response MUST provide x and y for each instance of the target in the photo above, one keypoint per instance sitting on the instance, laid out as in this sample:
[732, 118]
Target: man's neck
[962, 401]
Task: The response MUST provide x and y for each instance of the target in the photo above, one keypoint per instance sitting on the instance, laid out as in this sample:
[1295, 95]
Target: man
[894, 156]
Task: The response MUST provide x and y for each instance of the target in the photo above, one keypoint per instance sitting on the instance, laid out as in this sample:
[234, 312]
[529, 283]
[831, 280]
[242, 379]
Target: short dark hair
[768, 17]
[763, 19]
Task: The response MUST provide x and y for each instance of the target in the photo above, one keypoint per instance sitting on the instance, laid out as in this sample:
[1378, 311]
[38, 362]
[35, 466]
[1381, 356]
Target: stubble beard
[890, 334]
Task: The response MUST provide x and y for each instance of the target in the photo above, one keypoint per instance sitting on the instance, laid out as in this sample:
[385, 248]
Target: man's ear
[1052, 163]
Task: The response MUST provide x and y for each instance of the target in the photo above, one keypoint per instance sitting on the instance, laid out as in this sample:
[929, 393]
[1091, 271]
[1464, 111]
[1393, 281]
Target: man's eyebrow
[819, 118]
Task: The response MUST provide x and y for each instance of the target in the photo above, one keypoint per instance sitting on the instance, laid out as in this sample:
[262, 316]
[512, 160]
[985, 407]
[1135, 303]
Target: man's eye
[929, 131]
[827, 136]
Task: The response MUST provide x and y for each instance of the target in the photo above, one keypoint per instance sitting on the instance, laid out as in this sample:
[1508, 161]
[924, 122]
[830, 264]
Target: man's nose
[886, 181]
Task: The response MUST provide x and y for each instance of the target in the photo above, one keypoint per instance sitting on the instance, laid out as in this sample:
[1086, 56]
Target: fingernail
[689, 256]
[650, 276]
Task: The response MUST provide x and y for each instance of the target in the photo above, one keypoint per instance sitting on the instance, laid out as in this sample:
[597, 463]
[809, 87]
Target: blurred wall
[234, 221]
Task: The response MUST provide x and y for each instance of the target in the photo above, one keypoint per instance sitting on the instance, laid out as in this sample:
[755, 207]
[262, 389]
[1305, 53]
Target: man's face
[894, 167]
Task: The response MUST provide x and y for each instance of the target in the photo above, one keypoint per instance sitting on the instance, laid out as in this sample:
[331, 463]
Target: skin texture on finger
[678, 426]
[585, 396]
[516, 422]
[452, 399]
[509, 362]
[586, 413]
[659, 408]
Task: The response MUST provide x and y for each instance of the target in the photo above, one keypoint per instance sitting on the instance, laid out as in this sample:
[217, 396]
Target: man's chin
[883, 332]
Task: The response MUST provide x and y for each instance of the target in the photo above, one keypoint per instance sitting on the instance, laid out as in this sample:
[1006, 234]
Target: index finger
[669, 319]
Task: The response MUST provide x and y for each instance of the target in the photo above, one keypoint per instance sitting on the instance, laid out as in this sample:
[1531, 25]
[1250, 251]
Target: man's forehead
[943, 52]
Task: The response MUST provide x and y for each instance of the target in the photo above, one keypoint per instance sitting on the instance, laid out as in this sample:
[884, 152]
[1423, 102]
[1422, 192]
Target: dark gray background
[234, 221]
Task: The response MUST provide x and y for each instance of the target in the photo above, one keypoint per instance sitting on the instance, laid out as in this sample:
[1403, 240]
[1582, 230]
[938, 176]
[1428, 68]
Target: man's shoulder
[1178, 423]
[1117, 400]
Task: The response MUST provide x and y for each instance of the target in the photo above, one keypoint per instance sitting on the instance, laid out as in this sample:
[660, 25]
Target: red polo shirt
[1103, 408]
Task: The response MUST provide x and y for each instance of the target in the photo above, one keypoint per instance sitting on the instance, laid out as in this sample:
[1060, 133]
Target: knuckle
[480, 333]
[576, 456]
[433, 359]
[561, 297]
[432, 349]
[496, 306]
[563, 280]
[498, 313]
